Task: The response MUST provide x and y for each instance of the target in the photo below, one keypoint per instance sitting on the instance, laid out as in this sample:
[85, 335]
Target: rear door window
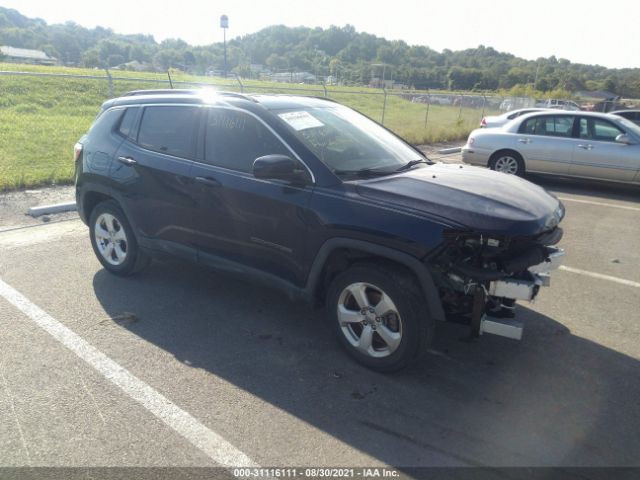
[550, 126]
[169, 130]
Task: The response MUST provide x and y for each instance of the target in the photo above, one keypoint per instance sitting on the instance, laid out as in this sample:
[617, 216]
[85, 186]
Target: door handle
[524, 140]
[212, 182]
[585, 147]
[127, 160]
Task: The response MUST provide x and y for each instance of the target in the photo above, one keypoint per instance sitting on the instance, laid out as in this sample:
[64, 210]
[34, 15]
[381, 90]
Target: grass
[42, 117]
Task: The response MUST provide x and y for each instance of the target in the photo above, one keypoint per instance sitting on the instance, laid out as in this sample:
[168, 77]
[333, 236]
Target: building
[24, 55]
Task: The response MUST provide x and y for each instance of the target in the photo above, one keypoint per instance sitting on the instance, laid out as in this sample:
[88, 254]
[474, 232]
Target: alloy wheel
[506, 164]
[369, 320]
[111, 239]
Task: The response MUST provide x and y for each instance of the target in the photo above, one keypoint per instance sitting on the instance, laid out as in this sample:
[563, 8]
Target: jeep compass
[311, 197]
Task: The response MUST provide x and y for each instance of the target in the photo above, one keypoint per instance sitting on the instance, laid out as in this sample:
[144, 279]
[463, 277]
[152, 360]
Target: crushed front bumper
[527, 289]
[519, 290]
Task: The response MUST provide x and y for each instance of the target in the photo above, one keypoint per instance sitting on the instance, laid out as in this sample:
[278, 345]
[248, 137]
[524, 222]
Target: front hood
[476, 198]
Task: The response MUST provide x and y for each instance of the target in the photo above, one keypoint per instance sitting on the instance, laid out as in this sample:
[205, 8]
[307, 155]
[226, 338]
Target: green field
[42, 117]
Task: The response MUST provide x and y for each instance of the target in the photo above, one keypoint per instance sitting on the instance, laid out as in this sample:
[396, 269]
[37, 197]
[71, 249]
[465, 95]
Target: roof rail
[185, 91]
[237, 95]
[160, 91]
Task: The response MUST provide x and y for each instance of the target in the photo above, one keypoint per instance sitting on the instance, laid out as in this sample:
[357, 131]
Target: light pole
[384, 70]
[224, 24]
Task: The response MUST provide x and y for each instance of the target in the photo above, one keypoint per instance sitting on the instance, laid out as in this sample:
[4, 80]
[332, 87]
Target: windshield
[345, 140]
[629, 126]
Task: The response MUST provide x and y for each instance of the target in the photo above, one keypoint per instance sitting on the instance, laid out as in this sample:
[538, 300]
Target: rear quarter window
[127, 122]
[105, 122]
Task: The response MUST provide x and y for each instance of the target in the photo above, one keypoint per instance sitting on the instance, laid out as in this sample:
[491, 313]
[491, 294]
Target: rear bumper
[475, 156]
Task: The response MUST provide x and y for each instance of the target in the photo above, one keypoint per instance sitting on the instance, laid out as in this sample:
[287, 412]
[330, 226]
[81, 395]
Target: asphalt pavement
[182, 366]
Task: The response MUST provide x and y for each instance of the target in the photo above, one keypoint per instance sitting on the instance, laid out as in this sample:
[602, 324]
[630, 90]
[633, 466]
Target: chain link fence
[42, 115]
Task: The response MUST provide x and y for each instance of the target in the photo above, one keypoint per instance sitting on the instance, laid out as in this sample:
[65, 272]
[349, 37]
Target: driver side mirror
[279, 167]
[624, 138]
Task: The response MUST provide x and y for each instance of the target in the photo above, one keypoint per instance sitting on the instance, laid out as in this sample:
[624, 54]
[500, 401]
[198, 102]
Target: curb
[449, 151]
[55, 208]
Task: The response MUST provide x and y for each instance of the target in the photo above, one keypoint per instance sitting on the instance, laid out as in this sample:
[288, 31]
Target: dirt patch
[15, 205]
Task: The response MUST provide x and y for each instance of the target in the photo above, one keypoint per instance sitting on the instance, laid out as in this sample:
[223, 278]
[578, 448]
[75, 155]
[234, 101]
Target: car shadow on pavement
[552, 399]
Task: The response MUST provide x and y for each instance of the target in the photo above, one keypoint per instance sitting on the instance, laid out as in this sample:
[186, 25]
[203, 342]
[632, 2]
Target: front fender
[423, 275]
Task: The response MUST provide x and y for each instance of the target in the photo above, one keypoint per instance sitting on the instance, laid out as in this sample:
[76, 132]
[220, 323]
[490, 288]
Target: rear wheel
[379, 315]
[113, 240]
[507, 162]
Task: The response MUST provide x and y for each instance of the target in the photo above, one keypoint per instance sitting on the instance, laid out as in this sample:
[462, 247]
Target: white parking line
[600, 276]
[600, 204]
[209, 442]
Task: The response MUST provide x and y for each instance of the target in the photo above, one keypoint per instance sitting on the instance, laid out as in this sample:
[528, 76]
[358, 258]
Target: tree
[277, 62]
[115, 60]
[167, 58]
[91, 59]
[334, 50]
[461, 78]
[189, 58]
[50, 50]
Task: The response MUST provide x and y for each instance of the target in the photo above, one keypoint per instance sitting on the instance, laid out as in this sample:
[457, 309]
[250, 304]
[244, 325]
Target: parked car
[493, 121]
[633, 115]
[582, 144]
[313, 198]
[559, 104]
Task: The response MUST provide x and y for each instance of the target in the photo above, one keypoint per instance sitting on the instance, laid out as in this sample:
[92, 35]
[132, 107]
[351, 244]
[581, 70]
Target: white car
[493, 121]
[559, 104]
[581, 144]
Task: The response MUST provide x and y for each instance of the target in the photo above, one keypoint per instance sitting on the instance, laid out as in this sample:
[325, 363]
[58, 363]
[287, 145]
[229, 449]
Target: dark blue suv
[309, 196]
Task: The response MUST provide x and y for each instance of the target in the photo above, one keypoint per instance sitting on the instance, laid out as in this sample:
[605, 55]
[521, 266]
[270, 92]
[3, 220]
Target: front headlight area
[482, 275]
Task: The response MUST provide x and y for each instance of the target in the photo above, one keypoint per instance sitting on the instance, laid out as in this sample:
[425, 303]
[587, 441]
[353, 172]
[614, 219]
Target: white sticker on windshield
[301, 120]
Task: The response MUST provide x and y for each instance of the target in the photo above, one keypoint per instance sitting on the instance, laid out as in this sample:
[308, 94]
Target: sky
[606, 34]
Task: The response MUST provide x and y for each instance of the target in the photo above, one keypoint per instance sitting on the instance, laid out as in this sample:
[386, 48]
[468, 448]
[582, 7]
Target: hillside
[339, 51]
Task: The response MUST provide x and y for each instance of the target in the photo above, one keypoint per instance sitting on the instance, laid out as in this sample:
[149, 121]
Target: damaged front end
[480, 276]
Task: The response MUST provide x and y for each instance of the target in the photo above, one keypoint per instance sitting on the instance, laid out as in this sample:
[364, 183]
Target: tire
[393, 305]
[507, 161]
[114, 241]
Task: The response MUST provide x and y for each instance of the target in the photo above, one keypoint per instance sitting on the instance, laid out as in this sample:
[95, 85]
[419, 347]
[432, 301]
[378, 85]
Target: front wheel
[507, 162]
[380, 316]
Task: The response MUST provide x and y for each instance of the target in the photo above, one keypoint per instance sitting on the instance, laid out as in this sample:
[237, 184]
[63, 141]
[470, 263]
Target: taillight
[77, 150]
[483, 122]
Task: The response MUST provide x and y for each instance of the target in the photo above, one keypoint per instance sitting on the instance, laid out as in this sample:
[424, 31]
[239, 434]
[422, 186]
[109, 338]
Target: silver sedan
[581, 144]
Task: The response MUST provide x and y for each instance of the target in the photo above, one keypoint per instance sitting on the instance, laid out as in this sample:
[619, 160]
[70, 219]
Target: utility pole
[224, 24]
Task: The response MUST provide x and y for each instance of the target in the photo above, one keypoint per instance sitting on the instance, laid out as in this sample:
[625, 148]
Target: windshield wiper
[363, 172]
[410, 164]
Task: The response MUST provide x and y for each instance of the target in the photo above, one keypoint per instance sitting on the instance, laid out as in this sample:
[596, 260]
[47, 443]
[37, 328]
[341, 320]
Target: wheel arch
[337, 254]
[90, 196]
[90, 199]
